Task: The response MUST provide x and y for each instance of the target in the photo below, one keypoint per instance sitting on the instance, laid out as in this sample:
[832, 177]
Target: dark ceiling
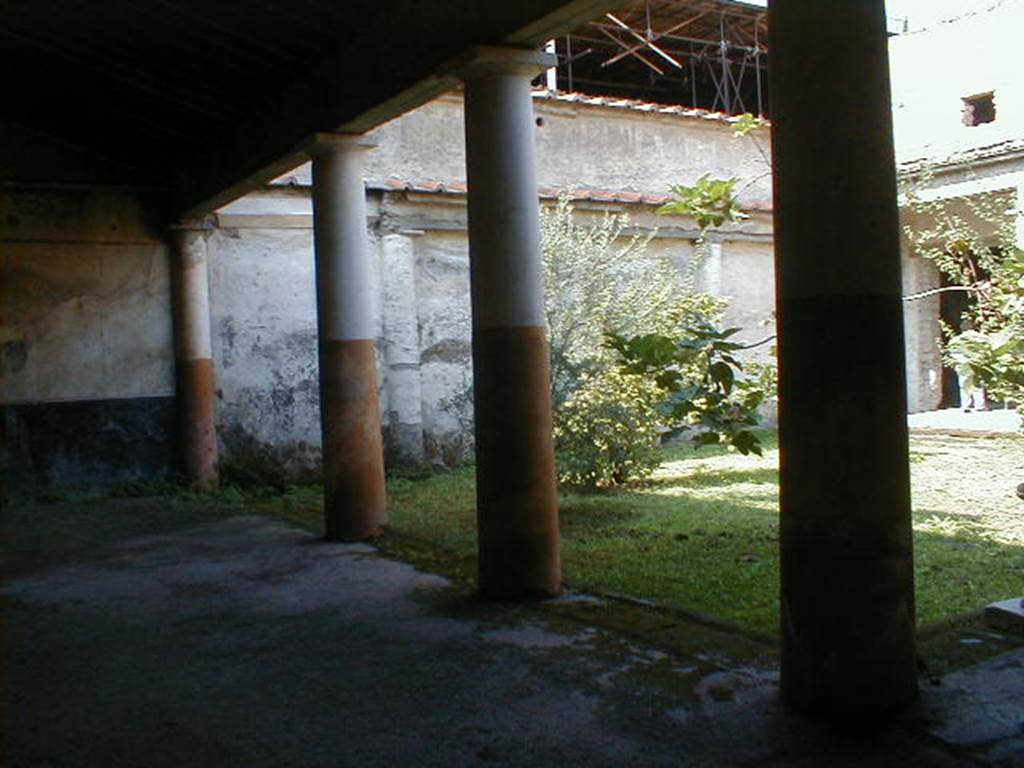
[203, 97]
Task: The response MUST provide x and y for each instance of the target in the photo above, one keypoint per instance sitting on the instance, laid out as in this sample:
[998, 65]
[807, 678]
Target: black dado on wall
[89, 443]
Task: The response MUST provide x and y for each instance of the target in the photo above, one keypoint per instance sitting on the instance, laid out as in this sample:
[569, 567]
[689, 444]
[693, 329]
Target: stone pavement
[245, 642]
[959, 420]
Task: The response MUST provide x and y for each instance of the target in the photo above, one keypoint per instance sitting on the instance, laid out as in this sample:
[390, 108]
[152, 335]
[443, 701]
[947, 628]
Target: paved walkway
[959, 420]
[244, 642]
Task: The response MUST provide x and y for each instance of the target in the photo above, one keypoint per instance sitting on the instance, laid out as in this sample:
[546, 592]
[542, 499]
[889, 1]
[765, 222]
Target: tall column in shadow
[193, 356]
[847, 554]
[517, 506]
[354, 500]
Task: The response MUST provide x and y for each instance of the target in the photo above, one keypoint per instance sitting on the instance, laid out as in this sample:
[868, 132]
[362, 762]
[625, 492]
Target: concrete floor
[244, 642]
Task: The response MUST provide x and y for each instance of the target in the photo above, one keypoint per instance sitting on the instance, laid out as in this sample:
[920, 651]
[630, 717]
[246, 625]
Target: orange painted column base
[517, 501]
[354, 498]
[196, 421]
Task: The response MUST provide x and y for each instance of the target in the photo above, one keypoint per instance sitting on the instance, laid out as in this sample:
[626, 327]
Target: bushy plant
[711, 202]
[608, 431]
[602, 279]
[701, 384]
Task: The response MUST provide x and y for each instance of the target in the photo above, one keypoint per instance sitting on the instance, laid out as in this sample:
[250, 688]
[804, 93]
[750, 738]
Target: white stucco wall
[579, 145]
[933, 69]
[264, 339]
[84, 300]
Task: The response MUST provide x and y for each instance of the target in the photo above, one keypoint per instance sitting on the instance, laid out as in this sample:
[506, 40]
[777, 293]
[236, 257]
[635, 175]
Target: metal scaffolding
[710, 54]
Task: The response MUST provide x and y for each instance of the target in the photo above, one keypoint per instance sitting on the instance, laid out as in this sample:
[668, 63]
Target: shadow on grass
[961, 566]
[598, 512]
[714, 478]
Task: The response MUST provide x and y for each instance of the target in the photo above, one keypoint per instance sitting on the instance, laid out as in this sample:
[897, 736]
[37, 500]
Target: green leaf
[721, 373]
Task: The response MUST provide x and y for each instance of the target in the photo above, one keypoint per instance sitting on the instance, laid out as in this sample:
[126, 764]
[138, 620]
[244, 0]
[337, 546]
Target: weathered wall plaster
[579, 144]
[86, 340]
[265, 343]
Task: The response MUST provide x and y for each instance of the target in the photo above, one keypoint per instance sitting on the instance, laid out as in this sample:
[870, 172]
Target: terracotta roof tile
[637, 105]
[432, 186]
[653, 199]
[627, 196]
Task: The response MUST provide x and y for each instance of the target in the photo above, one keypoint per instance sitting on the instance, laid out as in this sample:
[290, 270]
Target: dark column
[847, 554]
[517, 503]
[193, 358]
[354, 501]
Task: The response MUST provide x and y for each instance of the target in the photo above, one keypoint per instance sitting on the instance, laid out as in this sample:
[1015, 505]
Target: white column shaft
[192, 303]
[343, 269]
[504, 228]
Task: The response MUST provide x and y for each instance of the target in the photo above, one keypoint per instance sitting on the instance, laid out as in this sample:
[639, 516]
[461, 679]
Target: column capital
[324, 143]
[205, 225]
[484, 60]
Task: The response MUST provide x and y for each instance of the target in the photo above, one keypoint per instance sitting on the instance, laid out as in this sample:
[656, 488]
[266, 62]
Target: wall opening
[979, 109]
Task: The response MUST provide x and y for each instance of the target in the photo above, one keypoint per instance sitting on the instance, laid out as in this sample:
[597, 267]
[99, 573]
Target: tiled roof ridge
[964, 156]
[546, 192]
[635, 105]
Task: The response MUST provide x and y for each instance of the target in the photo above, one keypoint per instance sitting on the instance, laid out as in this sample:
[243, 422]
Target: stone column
[354, 502]
[517, 507]
[846, 547]
[402, 349]
[193, 355]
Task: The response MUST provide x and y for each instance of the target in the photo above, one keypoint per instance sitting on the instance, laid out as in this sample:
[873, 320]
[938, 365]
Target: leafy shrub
[608, 431]
[601, 279]
[711, 202]
[700, 384]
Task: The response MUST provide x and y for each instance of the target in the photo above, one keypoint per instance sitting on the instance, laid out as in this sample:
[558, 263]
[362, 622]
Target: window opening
[979, 109]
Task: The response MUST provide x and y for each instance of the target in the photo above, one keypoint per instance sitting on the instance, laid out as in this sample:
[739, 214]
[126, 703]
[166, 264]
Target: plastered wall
[86, 380]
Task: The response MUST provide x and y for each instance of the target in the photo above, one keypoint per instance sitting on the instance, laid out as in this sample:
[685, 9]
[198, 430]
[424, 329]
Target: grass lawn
[702, 532]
